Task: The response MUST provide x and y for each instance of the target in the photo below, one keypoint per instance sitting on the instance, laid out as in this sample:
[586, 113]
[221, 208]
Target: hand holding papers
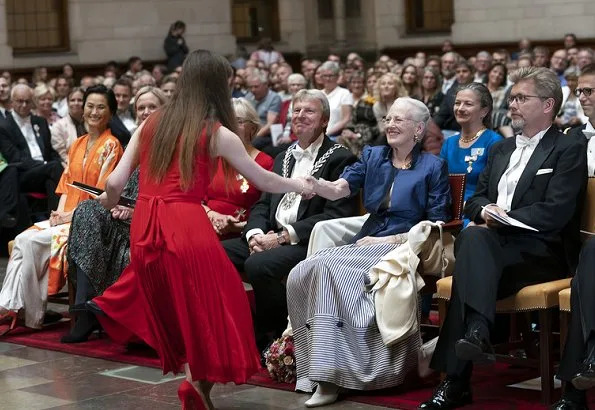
[95, 192]
[506, 220]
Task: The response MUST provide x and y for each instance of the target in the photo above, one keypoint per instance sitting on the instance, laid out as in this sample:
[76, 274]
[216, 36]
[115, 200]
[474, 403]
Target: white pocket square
[544, 171]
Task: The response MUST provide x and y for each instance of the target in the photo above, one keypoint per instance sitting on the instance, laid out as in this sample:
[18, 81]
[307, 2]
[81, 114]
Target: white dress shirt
[589, 132]
[128, 121]
[518, 161]
[27, 130]
[447, 83]
[304, 163]
[61, 107]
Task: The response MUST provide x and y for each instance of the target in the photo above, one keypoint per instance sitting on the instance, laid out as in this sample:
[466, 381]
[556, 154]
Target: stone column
[5, 50]
[340, 23]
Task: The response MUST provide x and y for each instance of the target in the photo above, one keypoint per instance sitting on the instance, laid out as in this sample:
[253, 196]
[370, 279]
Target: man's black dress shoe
[585, 378]
[567, 404]
[450, 394]
[474, 347]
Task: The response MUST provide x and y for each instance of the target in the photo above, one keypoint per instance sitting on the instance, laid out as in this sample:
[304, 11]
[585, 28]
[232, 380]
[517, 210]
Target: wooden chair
[564, 301]
[542, 299]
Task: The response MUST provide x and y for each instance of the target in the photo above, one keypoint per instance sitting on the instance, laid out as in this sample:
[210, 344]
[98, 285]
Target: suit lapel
[542, 151]
[16, 130]
[499, 166]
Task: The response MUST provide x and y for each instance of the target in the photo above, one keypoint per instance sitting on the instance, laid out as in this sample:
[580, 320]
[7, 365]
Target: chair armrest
[453, 226]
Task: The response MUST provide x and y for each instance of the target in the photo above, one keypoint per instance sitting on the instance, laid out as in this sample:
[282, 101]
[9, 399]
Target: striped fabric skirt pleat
[335, 333]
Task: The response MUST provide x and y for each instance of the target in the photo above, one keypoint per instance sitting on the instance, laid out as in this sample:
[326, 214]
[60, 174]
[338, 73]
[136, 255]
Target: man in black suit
[538, 178]
[577, 366]
[25, 140]
[276, 236]
[445, 118]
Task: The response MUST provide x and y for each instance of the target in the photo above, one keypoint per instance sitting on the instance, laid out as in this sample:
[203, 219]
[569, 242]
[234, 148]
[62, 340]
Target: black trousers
[489, 266]
[84, 289]
[582, 322]
[43, 178]
[9, 192]
[266, 271]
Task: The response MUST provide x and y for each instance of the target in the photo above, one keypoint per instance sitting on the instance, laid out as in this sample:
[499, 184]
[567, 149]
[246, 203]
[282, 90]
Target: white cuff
[293, 238]
[252, 232]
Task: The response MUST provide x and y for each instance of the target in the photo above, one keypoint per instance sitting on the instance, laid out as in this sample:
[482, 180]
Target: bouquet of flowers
[280, 360]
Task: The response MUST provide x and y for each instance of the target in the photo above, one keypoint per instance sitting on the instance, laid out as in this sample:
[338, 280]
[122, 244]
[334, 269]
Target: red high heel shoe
[190, 397]
[10, 317]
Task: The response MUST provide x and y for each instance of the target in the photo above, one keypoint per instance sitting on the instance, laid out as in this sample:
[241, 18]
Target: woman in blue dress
[337, 341]
[467, 152]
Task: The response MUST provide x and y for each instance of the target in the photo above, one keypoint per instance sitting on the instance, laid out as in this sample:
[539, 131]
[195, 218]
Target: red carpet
[489, 383]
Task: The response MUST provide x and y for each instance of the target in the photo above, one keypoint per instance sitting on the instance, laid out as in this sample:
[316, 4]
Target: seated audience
[123, 92]
[571, 113]
[494, 261]
[577, 365]
[68, 71]
[168, 85]
[431, 86]
[363, 127]
[337, 341]
[339, 99]
[266, 53]
[4, 98]
[228, 207]
[10, 213]
[25, 142]
[276, 236]
[296, 82]
[66, 130]
[63, 87]
[267, 104]
[467, 152]
[35, 268]
[496, 83]
[388, 88]
[43, 98]
[445, 119]
[99, 241]
[410, 81]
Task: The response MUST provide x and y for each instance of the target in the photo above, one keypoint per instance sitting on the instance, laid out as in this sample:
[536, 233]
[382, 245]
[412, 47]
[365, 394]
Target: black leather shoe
[86, 324]
[450, 394]
[474, 347]
[567, 404]
[585, 378]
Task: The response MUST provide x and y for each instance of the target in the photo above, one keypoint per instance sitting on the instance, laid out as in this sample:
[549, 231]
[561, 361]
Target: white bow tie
[299, 154]
[588, 134]
[522, 142]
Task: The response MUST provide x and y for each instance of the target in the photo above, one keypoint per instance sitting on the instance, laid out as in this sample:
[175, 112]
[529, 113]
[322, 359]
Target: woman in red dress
[228, 207]
[191, 305]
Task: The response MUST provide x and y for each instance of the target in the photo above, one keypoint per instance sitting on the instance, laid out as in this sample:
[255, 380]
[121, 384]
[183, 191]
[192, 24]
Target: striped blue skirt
[334, 324]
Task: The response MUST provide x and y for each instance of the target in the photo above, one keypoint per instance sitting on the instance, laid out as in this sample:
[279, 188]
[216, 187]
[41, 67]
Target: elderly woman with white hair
[337, 341]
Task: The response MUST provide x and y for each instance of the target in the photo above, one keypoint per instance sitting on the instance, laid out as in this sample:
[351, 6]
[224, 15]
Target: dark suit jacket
[577, 132]
[311, 211]
[445, 118]
[14, 146]
[550, 202]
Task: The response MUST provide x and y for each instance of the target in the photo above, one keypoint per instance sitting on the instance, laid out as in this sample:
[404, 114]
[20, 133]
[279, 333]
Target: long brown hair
[202, 96]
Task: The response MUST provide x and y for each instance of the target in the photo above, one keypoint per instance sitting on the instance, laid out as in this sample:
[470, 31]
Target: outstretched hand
[308, 187]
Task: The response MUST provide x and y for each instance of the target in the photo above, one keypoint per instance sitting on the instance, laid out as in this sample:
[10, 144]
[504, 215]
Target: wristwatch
[281, 238]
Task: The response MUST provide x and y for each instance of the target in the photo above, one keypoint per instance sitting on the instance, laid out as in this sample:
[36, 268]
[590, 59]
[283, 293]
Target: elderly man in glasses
[537, 178]
[577, 367]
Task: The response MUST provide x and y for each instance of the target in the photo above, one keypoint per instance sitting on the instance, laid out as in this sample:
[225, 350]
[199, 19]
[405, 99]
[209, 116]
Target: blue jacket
[419, 193]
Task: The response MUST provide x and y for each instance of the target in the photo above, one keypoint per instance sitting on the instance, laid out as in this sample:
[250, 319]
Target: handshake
[310, 186]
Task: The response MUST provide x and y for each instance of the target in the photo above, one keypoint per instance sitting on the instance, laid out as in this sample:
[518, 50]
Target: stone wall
[103, 30]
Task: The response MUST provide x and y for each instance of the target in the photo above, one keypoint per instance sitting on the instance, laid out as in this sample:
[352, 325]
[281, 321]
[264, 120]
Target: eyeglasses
[395, 120]
[328, 76]
[587, 91]
[521, 98]
[21, 102]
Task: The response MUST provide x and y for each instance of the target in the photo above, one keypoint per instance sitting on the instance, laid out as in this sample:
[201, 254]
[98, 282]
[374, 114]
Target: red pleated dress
[180, 293]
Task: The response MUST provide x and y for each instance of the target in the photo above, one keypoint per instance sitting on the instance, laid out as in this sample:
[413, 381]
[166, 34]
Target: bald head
[22, 99]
